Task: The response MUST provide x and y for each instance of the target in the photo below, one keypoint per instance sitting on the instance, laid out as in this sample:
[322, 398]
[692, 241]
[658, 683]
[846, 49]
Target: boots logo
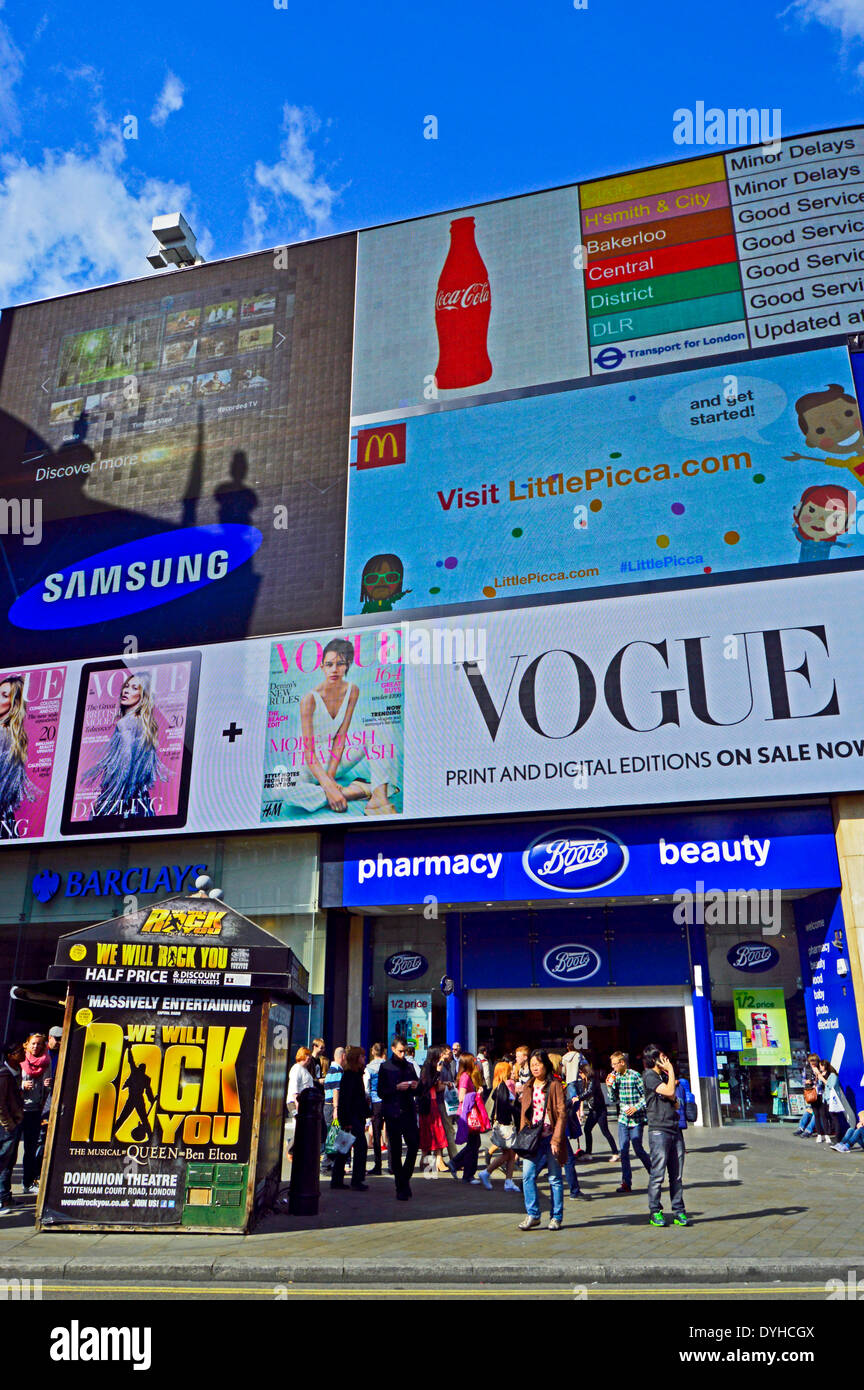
[463, 299]
[577, 859]
[752, 956]
[571, 964]
[406, 965]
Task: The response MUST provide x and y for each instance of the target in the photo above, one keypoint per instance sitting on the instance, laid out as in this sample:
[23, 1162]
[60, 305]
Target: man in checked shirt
[627, 1092]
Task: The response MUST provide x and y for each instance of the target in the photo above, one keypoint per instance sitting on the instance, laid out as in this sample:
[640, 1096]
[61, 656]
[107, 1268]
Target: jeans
[405, 1127]
[854, 1136]
[31, 1134]
[627, 1135]
[665, 1161]
[682, 1152]
[469, 1157]
[570, 1171]
[8, 1153]
[806, 1123]
[531, 1168]
[598, 1118]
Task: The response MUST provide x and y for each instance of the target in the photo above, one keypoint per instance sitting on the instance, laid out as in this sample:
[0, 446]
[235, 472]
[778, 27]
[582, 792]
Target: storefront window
[759, 1020]
[396, 998]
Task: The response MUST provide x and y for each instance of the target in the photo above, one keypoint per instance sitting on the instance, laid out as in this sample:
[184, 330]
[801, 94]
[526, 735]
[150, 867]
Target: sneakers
[486, 1180]
[511, 1186]
[625, 1187]
[32, 1190]
[657, 1219]
[529, 1224]
[616, 1158]
[554, 1224]
[579, 1197]
[6, 1210]
[680, 1218]
[841, 1148]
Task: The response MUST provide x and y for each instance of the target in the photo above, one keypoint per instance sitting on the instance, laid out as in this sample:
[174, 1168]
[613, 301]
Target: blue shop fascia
[716, 933]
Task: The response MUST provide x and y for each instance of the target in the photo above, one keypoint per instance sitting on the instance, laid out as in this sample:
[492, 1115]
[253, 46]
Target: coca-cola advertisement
[469, 303]
[132, 750]
[30, 704]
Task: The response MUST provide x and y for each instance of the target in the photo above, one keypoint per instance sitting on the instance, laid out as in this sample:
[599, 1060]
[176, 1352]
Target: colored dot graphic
[678, 508]
[439, 563]
[731, 538]
[451, 562]
[614, 456]
[489, 591]
[595, 505]
[707, 569]
[631, 398]
[758, 477]
[436, 590]
[517, 532]
[662, 541]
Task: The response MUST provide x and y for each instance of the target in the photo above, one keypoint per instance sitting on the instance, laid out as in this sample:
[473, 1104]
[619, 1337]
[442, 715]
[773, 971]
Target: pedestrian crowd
[26, 1079]
[533, 1105]
[828, 1116]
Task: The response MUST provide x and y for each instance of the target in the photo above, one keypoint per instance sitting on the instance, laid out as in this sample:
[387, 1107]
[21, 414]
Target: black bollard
[305, 1188]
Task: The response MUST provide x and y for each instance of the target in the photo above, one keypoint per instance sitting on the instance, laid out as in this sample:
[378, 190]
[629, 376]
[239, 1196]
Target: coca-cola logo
[577, 859]
[571, 964]
[406, 965]
[753, 956]
[478, 293]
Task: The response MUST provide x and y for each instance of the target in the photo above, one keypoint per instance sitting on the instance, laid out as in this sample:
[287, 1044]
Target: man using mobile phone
[661, 1104]
[398, 1087]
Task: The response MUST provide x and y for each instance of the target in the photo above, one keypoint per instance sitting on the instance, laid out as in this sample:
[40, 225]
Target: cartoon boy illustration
[823, 514]
[382, 584]
[830, 420]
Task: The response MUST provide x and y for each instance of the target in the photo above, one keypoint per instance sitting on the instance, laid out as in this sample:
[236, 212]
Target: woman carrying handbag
[471, 1122]
[542, 1140]
[505, 1114]
[814, 1086]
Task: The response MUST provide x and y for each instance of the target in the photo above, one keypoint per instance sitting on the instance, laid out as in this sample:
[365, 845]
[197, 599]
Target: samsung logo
[577, 859]
[752, 956]
[571, 964]
[139, 574]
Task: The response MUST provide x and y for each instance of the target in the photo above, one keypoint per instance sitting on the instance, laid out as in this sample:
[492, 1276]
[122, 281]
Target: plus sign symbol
[231, 732]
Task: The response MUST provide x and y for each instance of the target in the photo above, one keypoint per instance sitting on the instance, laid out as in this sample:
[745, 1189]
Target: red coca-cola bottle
[462, 307]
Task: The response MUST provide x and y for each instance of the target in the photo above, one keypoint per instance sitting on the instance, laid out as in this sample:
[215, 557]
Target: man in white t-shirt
[571, 1062]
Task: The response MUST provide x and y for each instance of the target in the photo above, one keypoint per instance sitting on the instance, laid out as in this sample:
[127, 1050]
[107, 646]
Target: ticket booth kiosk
[170, 1086]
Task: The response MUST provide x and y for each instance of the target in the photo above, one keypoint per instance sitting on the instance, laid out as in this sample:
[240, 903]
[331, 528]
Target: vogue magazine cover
[132, 750]
[334, 739]
[30, 704]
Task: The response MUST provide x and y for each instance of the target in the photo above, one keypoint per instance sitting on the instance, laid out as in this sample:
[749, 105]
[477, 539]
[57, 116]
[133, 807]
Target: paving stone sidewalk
[764, 1204]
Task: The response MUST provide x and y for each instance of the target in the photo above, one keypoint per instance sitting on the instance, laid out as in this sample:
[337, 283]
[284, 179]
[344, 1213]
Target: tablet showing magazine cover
[132, 746]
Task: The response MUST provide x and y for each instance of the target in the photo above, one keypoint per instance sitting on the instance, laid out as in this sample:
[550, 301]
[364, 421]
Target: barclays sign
[571, 964]
[576, 859]
[752, 957]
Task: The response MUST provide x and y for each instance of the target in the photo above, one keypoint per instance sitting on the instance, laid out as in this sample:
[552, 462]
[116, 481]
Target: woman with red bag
[471, 1122]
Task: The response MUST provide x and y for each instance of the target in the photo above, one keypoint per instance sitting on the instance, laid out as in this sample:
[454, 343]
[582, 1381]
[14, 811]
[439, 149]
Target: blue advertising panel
[496, 950]
[647, 948]
[829, 996]
[746, 468]
[594, 857]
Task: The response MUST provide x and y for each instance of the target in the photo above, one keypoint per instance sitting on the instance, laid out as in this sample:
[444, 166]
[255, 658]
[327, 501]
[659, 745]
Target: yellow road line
[476, 1291]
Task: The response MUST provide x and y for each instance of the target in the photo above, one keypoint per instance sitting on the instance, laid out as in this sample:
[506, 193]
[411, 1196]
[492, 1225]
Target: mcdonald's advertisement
[155, 1119]
[334, 736]
[678, 478]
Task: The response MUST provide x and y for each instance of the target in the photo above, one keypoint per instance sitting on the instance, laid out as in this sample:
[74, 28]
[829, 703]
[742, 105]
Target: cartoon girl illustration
[382, 584]
[328, 776]
[15, 786]
[130, 764]
[823, 514]
[831, 421]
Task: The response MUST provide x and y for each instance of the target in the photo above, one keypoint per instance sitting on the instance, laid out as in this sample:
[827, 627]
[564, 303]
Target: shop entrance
[625, 1029]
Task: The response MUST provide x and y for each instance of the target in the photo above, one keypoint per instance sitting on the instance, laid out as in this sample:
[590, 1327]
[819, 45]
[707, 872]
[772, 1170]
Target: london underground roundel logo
[609, 358]
[575, 859]
[571, 964]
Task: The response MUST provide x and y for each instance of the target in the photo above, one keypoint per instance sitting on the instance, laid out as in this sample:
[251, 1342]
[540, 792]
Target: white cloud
[846, 16]
[169, 99]
[293, 177]
[76, 220]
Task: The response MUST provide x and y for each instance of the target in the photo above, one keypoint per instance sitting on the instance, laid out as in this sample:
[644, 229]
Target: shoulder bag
[526, 1141]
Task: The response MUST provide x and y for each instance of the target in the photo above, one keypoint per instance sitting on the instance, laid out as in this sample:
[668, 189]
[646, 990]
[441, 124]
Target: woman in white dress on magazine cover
[328, 775]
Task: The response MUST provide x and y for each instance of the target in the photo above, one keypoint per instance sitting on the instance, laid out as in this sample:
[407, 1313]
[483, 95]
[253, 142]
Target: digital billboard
[719, 693]
[183, 439]
[602, 385]
[754, 465]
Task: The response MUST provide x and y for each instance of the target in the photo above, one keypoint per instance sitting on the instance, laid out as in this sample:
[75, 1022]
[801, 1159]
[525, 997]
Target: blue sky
[267, 125]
